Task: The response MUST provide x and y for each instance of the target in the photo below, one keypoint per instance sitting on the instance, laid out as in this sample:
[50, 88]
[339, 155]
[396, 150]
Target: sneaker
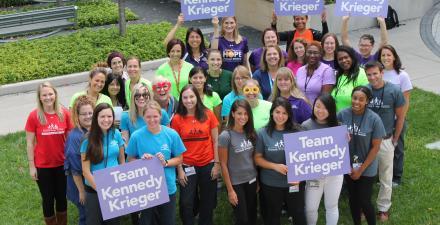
[362, 216]
[395, 184]
[383, 216]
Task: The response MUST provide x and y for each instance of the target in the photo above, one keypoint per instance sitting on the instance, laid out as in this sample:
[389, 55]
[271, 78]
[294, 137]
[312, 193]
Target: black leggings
[52, 185]
[360, 192]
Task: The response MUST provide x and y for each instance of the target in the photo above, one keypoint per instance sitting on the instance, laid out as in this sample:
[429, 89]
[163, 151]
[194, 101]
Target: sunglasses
[166, 85]
[253, 90]
[144, 95]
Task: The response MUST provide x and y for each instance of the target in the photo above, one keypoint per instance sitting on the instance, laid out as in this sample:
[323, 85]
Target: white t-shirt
[401, 79]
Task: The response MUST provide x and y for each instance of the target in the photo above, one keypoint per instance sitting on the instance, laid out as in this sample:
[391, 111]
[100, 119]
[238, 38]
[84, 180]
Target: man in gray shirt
[388, 102]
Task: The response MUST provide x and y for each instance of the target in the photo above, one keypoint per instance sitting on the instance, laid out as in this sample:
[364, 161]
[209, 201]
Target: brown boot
[61, 218]
[50, 220]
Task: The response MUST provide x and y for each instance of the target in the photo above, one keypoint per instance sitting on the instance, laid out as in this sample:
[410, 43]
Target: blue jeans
[399, 155]
[207, 190]
[166, 213]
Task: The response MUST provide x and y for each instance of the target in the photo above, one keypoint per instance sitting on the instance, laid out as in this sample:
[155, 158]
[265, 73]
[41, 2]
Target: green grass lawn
[416, 201]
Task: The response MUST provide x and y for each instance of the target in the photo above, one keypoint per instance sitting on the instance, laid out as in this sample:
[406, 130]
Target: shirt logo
[232, 55]
[245, 145]
[52, 129]
[377, 103]
[279, 146]
[355, 130]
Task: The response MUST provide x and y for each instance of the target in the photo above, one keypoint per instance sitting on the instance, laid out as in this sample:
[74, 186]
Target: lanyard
[306, 82]
[177, 79]
[270, 80]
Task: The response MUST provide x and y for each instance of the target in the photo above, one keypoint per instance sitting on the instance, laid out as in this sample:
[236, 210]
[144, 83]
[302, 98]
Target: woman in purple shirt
[285, 87]
[329, 43]
[269, 38]
[232, 45]
[315, 77]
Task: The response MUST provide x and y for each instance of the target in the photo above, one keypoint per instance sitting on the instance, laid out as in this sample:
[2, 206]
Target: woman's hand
[324, 15]
[280, 168]
[147, 156]
[180, 19]
[215, 21]
[33, 173]
[160, 156]
[232, 197]
[355, 174]
[82, 197]
[215, 172]
[274, 18]
[183, 180]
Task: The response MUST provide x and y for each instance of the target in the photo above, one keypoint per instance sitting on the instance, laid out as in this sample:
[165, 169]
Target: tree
[122, 21]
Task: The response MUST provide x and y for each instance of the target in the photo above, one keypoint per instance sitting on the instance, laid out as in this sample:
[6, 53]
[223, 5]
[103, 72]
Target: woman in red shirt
[46, 131]
[197, 126]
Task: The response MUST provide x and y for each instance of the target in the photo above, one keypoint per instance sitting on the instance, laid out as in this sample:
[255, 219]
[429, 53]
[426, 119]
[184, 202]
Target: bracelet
[217, 162]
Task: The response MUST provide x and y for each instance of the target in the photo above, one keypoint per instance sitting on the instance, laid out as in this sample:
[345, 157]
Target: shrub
[9, 3]
[90, 13]
[76, 52]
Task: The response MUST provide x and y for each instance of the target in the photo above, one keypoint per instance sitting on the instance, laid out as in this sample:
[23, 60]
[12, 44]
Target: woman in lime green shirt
[210, 98]
[349, 75]
[134, 73]
[176, 70]
[96, 83]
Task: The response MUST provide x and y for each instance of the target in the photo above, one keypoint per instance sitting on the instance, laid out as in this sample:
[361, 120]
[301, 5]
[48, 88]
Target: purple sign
[298, 7]
[206, 9]
[372, 8]
[131, 187]
[317, 153]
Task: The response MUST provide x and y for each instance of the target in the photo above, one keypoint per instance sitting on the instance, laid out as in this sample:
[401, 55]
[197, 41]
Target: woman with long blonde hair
[46, 131]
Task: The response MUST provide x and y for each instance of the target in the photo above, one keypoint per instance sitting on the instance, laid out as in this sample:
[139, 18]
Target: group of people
[221, 111]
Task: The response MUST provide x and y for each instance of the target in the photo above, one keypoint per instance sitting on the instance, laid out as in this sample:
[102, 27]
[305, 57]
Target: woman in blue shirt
[156, 140]
[103, 148]
[82, 112]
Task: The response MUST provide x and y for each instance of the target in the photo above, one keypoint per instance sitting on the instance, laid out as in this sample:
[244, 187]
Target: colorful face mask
[165, 86]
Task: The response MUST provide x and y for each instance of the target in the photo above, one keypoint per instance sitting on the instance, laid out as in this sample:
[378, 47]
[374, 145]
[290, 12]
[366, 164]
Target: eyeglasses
[313, 53]
[248, 90]
[144, 95]
[86, 114]
[165, 86]
[240, 78]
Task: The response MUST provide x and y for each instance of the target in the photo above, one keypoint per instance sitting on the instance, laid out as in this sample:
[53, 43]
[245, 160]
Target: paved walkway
[419, 61]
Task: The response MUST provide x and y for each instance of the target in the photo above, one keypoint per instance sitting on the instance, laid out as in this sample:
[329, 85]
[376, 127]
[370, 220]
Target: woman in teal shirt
[103, 148]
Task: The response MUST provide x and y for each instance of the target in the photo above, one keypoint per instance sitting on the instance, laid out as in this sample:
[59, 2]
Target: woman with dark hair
[366, 131]
[233, 47]
[210, 99]
[46, 130]
[218, 78]
[324, 116]
[156, 140]
[236, 150]
[117, 63]
[269, 38]
[134, 72]
[296, 55]
[285, 87]
[315, 77]
[394, 73]
[114, 89]
[176, 70]
[196, 53]
[270, 157]
[329, 43]
[103, 148]
[301, 30]
[271, 60]
[96, 83]
[348, 76]
[82, 113]
[198, 128]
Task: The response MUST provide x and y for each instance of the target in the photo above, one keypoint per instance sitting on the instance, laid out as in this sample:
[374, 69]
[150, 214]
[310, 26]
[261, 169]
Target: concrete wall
[258, 13]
